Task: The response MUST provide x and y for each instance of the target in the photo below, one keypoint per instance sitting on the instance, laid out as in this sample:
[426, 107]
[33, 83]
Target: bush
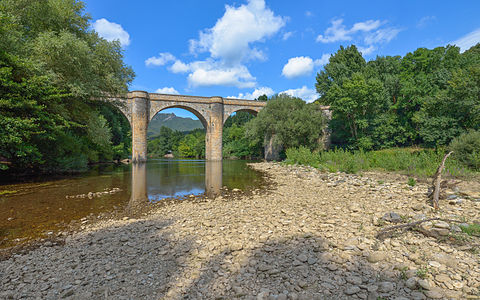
[302, 156]
[466, 149]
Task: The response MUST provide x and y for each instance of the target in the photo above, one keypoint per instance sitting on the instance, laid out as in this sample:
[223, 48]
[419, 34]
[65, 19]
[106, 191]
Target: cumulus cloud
[208, 74]
[179, 67]
[255, 94]
[302, 65]
[468, 40]
[167, 90]
[308, 95]
[229, 44]
[231, 38]
[160, 60]
[371, 32]
[111, 31]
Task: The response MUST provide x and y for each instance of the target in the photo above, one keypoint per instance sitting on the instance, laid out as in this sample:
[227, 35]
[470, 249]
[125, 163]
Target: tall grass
[411, 161]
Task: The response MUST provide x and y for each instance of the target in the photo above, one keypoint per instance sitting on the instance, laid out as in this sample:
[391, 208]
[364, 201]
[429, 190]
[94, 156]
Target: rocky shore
[311, 236]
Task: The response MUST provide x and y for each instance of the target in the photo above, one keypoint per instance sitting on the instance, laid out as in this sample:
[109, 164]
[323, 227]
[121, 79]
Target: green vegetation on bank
[51, 66]
[410, 161]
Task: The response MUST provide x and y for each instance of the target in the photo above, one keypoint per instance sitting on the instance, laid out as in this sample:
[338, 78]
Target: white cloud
[336, 32]
[381, 36]
[308, 14]
[179, 67]
[167, 90]
[230, 43]
[297, 66]
[160, 60]
[111, 31]
[369, 32]
[367, 50]
[322, 60]
[255, 94]
[287, 35]
[467, 41]
[308, 95]
[302, 65]
[425, 21]
[208, 74]
[366, 26]
[231, 37]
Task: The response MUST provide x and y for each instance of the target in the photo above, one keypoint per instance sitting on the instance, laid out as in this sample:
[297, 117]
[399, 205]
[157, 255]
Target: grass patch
[6, 192]
[411, 181]
[415, 162]
[422, 272]
[471, 229]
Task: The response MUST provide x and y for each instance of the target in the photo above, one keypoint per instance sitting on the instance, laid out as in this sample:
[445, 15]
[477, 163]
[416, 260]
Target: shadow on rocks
[137, 260]
[297, 268]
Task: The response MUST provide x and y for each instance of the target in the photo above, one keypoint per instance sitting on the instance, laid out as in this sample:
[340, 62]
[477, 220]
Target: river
[44, 206]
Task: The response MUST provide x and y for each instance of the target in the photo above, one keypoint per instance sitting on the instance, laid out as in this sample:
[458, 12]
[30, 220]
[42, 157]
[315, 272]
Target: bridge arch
[228, 112]
[158, 107]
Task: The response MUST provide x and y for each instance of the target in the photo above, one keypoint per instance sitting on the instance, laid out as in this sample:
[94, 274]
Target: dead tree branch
[389, 231]
[437, 179]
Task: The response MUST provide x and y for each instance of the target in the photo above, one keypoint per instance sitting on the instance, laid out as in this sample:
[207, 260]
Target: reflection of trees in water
[236, 174]
[170, 177]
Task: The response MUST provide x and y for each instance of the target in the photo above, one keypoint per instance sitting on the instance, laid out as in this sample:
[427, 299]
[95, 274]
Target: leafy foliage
[466, 149]
[51, 65]
[428, 97]
[289, 121]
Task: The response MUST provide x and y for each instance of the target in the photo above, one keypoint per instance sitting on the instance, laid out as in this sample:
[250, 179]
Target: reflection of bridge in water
[139, 190]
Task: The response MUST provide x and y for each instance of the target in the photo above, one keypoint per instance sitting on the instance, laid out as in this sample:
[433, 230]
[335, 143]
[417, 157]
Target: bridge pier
[213, 138]
[140, 118]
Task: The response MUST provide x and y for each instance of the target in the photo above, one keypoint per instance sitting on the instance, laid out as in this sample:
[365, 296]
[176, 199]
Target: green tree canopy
[289, 121]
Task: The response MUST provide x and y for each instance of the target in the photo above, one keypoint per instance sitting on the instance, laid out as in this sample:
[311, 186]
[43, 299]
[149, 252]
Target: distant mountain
[173, 122]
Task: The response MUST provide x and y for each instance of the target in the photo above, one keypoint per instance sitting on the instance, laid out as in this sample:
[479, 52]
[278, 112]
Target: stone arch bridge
[140, 107]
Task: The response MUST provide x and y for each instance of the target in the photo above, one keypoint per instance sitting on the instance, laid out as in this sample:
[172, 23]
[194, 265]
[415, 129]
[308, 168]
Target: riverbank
[311, 236]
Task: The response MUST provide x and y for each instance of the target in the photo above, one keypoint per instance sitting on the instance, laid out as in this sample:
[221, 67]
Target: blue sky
[247, 48]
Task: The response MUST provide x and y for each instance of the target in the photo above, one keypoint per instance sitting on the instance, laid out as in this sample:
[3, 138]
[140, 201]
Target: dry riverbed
[311, 236]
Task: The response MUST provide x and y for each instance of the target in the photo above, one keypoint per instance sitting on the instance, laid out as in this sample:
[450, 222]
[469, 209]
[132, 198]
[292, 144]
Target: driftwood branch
[389, 231]
[437, 179]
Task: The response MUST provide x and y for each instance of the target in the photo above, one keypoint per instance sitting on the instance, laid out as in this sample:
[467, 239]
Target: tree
[289, 121]
[52, 64]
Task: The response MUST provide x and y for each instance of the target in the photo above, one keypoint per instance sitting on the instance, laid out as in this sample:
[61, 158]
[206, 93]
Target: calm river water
[31, 210]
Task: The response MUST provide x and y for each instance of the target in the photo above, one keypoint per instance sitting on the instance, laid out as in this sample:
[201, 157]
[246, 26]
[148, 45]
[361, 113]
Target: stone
[417, 296]
[441, 224]
[352, 290]
[355, 280]
[302, 257]
[375, 257]
[434, 293]
[392, 217]
[442, 278]
[424, 284]
[411, 283]
[386, 287]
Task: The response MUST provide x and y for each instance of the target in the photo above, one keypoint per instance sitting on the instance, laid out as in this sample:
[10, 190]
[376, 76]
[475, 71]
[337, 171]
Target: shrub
[302, 156]
[466, 149]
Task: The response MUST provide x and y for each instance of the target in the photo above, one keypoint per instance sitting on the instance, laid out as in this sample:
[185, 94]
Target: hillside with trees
[426, 98]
